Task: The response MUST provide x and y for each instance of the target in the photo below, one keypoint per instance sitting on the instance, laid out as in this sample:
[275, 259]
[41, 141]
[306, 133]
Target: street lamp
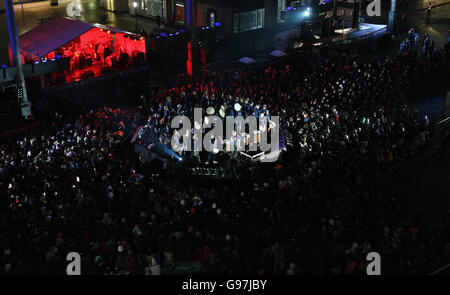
[135, 14]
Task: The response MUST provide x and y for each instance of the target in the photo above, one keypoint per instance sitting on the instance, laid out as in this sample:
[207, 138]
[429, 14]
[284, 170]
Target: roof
[55, 33]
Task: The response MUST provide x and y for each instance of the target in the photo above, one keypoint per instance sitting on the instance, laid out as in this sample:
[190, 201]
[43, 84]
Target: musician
[195, 147]
[234, 139]
[212, 154]
[256, 111]
[263, 122]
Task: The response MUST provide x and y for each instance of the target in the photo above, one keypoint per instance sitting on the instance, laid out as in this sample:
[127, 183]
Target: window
[298, 3]
[248, 20]
[150, 7]
[281, 7]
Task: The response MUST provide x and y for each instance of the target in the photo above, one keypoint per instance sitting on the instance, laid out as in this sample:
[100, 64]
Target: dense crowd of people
[432, 55]
[75, 185]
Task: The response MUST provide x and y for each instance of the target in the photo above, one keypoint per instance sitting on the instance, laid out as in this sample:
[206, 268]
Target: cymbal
[237, 107]
[210, 111]
[222, 113]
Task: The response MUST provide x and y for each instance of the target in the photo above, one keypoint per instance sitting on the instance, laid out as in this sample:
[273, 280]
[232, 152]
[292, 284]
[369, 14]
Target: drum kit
[222, 111]
[237, 107]
[210, 111]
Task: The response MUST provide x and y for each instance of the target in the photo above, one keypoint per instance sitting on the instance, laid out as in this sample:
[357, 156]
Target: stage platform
[364, 30]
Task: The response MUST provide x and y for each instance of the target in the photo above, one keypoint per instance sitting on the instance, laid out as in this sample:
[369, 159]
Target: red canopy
[55, 33]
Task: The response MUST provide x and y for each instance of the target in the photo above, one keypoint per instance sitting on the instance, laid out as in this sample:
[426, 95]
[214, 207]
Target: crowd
[432, 55]
[75, 186]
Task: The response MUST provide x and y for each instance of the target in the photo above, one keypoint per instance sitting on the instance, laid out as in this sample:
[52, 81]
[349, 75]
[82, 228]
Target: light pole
[135, 14]
[15, 50]
[392, 14]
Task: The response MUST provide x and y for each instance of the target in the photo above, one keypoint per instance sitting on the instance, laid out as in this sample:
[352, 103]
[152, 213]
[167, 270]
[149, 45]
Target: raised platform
[364, 30]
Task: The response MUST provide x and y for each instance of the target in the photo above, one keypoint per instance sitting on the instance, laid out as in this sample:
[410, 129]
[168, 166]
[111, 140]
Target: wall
[115, 5]
[224, 16]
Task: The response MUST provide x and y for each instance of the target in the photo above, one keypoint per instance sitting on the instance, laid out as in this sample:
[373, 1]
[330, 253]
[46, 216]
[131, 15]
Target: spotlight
[306, 13]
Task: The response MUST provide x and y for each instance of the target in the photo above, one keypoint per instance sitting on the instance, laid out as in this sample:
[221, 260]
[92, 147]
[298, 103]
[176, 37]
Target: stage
[364, 30]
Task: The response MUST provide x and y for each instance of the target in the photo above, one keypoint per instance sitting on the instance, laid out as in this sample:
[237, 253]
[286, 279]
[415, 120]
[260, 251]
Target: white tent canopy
[247, 60]
[278, 53]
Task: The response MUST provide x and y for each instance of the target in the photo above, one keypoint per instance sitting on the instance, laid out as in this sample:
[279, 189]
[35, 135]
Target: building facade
[235, 16]
[114, 5]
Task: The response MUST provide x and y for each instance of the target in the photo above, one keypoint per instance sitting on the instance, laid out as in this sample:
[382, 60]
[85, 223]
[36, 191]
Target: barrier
[441, 270]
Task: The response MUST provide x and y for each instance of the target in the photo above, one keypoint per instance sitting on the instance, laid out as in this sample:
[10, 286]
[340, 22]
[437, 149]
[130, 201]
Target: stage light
[217, 24]
[306, 13]
[134, 4]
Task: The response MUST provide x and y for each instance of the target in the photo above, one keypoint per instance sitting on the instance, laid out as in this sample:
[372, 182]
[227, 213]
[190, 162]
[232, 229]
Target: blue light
[217, 24]
[177, 33]
[288, 8]
[4, 66]
[163, 34]
[53, 59]
[36, 62]
[306, 13]
[207, 28]
[58, 56]
[170, 34]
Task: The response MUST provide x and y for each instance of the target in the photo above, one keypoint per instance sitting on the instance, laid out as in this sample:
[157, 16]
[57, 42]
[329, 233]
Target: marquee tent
[93, 49]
